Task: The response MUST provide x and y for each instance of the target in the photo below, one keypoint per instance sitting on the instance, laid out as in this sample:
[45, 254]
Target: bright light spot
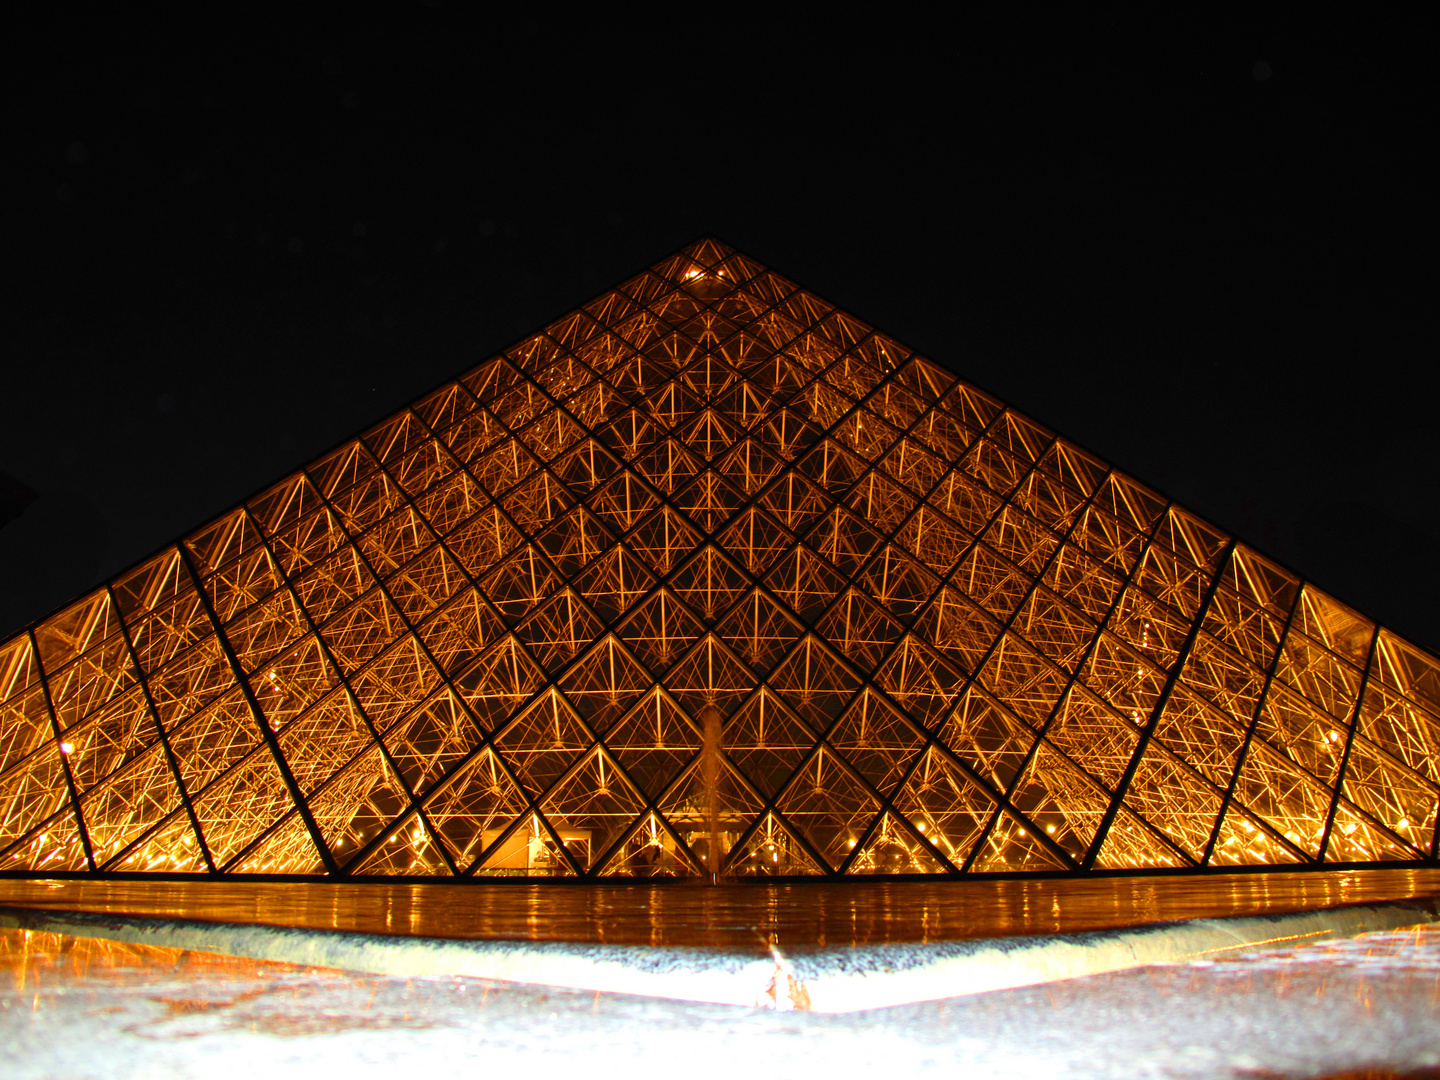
[66, 747]
[1403, 823]
[921, 826]
[1049, 828]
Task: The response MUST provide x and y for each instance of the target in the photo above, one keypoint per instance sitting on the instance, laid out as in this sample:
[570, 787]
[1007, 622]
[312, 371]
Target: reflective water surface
[796, 915]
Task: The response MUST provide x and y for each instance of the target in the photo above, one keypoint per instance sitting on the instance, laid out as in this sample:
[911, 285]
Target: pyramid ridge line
[1133, 476]
[271, 575]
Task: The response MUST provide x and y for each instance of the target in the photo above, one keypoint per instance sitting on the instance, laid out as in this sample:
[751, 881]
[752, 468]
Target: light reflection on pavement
[735, 916]
[1368, 1006]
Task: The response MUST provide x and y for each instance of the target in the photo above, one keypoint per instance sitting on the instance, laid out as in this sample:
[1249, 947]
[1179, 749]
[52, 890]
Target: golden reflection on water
[799, 915]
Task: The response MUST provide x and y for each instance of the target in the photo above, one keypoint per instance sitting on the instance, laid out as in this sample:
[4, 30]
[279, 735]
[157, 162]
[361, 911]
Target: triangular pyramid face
[651, 850]
[653, 743]
[945, 805]
[711, 806]
[1011, 847]
[288, 845]
[829, 806]
[772, 850]
[410, 851]
[766, 741]
[893, 849]
[710, 577]
[172, 847]
[471, 811]
[591, 808]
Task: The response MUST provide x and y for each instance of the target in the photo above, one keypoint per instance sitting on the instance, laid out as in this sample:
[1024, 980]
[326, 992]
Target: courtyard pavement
[81, 1007]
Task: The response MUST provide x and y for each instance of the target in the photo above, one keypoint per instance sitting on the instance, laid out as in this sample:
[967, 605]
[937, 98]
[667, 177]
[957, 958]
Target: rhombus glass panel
[708, 578]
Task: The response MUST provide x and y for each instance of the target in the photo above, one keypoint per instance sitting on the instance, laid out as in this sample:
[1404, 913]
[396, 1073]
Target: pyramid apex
[707, 251]
[710, 577]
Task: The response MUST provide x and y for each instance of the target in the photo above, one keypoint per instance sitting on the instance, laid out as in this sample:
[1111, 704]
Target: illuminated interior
[709, 579]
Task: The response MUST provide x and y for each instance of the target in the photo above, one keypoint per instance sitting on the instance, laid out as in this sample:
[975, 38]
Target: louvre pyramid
[709, 577]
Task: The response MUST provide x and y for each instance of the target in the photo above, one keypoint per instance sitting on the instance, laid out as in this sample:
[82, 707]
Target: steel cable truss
[710, 578]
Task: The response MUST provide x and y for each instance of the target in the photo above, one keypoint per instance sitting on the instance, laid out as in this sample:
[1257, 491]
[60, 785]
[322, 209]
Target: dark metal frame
[754, 583]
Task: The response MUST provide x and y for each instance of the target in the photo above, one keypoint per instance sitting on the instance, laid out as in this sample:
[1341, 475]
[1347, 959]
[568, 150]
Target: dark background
[1194, 247]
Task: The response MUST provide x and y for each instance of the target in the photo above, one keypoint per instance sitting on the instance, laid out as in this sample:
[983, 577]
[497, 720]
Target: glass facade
[709, 577]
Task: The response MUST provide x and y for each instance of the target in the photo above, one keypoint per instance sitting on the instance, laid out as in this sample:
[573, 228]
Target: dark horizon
[1187, 252]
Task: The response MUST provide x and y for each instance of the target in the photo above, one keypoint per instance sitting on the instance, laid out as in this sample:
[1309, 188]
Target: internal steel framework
[707, 578]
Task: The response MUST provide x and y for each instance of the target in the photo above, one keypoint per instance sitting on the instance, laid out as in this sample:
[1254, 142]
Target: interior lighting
[542, 460]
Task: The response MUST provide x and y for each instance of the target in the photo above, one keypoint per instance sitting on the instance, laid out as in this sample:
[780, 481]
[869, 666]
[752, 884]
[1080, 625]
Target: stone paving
[80, 1007]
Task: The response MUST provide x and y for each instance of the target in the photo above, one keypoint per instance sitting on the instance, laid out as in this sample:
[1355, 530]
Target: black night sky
[1193, 248]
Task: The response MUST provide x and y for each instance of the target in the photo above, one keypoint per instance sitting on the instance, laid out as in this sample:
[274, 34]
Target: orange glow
[709, 576]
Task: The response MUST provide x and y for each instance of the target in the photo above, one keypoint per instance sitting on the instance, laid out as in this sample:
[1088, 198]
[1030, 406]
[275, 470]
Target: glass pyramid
[708, 577]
